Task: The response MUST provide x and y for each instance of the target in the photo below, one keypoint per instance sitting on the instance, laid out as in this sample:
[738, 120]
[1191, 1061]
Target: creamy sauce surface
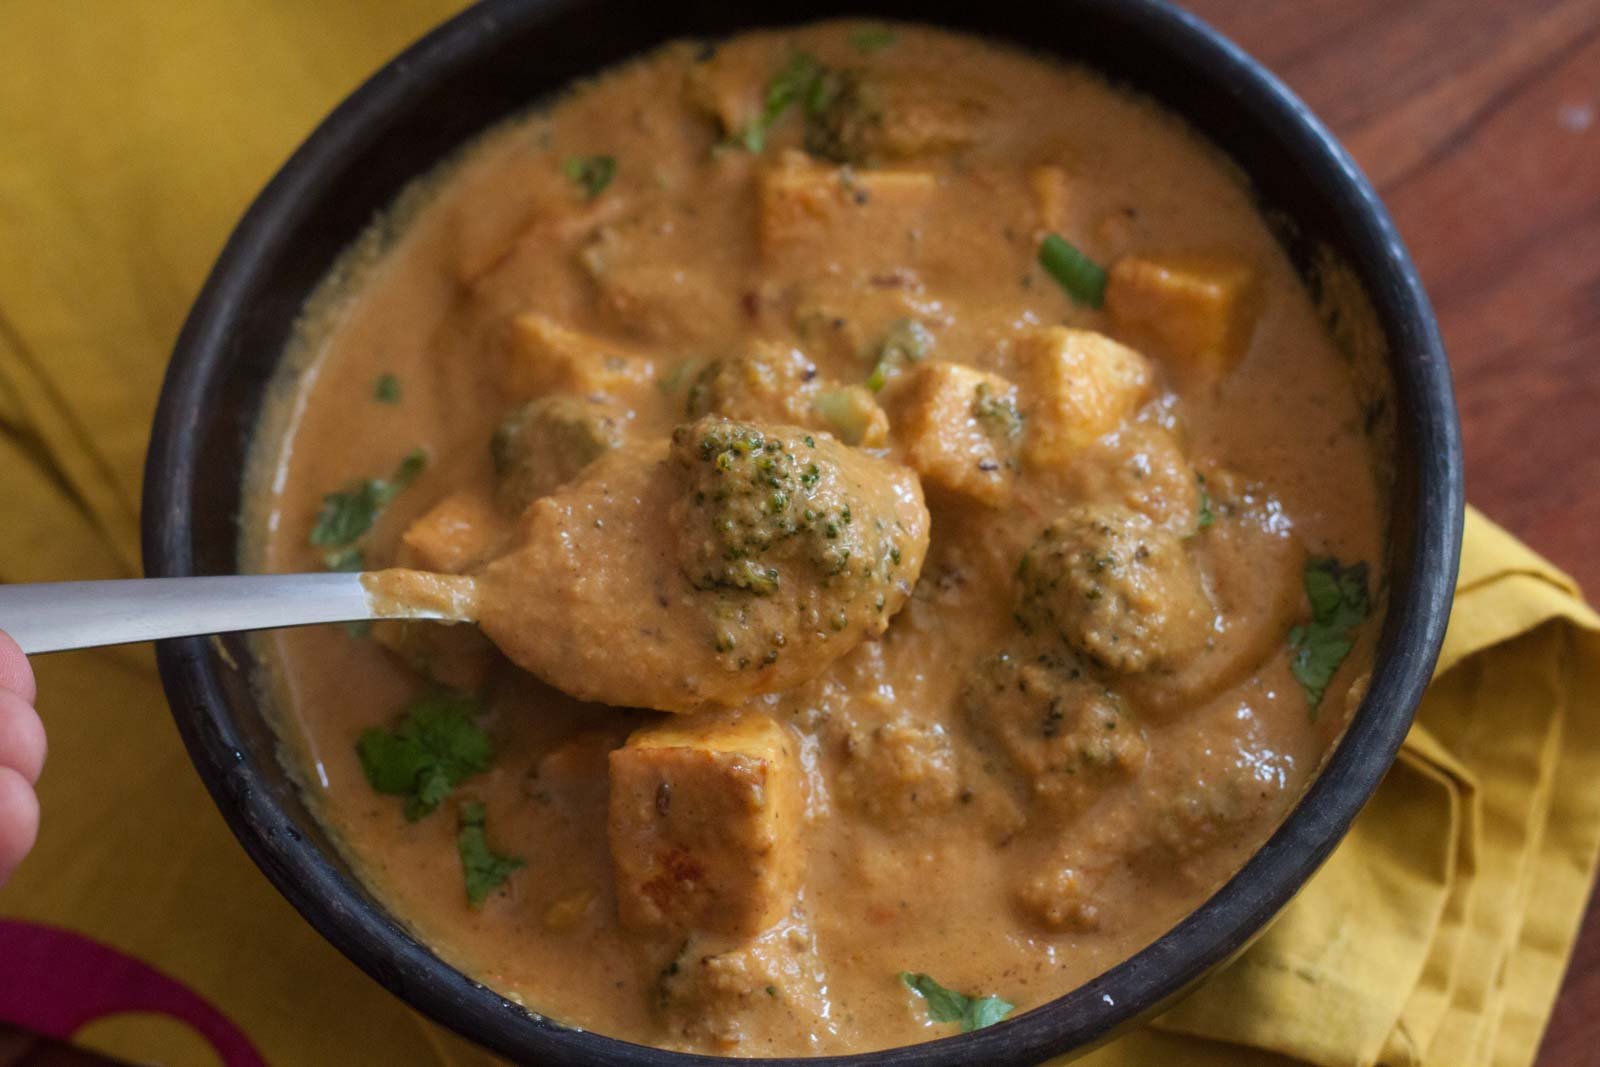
[1082, 719]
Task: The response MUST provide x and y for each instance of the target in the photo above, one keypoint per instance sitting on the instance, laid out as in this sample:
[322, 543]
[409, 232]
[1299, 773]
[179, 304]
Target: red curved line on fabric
[54, 981]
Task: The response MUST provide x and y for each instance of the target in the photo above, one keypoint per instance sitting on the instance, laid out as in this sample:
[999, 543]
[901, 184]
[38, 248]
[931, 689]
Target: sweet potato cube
[546, 357]
[453, 536]
[959, 429]
[1078, 386]
[705, 825]
[1200, 311]
[808, 211]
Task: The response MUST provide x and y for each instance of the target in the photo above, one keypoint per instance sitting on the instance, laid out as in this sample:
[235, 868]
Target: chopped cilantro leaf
[986, 1011]
[386, 390]
[1082, 278]
[871, 38]
[484, 869]
[948, 1006]
[1339, 603]
[1206, 516]
[591, 173]
[435, 745]
[348, 514]
[803, 81]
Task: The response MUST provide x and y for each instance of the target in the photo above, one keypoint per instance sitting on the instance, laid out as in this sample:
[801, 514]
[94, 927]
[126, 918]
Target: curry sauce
[1095, 558]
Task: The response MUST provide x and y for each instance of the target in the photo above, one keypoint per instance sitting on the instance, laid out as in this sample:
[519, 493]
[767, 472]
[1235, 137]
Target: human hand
[22, 748]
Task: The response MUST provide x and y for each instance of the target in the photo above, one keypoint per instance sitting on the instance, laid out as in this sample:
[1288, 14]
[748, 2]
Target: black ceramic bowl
[502, 55]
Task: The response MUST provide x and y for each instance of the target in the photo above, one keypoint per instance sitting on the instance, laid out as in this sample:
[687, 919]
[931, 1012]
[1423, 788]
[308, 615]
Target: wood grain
[1480, 125]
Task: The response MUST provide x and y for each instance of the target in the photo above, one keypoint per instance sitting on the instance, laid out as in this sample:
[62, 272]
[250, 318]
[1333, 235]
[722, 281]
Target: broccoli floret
[1116, 588]
[1066, 733]
[877, 116]
[852, 415]
[799, 542]
[772, 384]
[763, 498]
[768, 383]
[543, 445]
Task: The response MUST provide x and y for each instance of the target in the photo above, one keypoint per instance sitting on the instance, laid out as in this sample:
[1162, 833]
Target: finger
[19, 820]
[22, 740]
[15, 673]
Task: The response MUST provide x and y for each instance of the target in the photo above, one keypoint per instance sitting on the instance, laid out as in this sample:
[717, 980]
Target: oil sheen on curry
[936, 438]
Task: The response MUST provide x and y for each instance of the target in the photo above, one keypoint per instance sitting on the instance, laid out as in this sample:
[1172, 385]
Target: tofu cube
[959, 429]
[545, 357]
[810, 214]
[455, 535]
[1078, 385]
[705, 825]
[1200, 311]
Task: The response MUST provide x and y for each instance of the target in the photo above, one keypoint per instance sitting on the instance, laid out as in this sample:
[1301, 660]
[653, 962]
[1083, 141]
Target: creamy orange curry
[937, 437]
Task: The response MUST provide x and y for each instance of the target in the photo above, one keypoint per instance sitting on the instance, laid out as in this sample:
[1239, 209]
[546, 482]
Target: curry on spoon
[735, 559]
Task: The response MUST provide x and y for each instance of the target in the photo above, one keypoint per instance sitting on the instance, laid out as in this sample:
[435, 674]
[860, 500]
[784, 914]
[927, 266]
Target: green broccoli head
[763, 500]
[544, 444]
[1116, 588]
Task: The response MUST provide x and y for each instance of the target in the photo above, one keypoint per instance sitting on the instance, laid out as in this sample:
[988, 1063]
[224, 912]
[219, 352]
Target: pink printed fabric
[55, 982]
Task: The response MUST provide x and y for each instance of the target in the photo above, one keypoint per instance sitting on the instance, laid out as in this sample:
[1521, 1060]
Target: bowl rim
[1210, 935]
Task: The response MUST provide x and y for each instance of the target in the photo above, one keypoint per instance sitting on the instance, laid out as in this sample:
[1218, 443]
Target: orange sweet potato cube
[1200, 311]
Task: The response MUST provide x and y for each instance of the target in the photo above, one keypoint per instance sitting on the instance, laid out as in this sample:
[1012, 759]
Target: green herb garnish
[1206, 516]
[485, 870]
[906, 341]
[1339, 603]
[386, 390]
[591, 173]
[871, 38]
[948, 1006]
[803, 81]
[685, 371]
[997, 412]
[1082, 278]
[348, 514]
[434, 746]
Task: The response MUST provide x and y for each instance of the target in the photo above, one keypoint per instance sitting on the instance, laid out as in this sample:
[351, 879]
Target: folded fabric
[1436, 934]
[1439, 930]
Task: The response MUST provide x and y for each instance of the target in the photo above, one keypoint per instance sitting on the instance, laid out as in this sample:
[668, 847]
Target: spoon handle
[56, 616]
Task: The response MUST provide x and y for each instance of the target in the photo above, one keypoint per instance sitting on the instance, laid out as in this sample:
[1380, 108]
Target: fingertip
[23, 744]
[16, 673]
[19, 820]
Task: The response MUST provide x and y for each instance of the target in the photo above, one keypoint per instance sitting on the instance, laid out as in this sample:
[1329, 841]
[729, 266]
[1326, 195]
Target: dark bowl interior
[499, 57]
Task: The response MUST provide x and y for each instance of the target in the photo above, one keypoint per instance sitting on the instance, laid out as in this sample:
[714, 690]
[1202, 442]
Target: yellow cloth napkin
[131, 137]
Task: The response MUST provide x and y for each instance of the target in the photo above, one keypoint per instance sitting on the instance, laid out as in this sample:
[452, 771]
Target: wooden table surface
[1479, 123]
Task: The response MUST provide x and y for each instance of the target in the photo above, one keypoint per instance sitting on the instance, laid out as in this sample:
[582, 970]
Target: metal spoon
[56, 616]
